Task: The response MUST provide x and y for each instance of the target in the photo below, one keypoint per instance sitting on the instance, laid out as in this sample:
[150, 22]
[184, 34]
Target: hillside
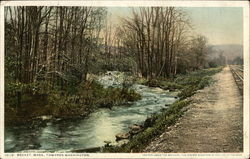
[231, 51]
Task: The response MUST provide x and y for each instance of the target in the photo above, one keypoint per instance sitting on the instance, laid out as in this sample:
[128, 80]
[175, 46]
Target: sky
[221, 25]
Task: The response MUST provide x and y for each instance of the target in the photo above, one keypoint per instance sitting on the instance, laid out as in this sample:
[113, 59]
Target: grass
[195, 81]
[188, 85]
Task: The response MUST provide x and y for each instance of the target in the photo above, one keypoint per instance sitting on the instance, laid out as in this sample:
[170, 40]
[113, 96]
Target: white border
[1, 80]
[129, 3]
[243, 4]
[246, 90]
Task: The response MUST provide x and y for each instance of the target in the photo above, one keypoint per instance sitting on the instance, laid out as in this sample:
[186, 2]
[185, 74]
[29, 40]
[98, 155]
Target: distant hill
[230, 51]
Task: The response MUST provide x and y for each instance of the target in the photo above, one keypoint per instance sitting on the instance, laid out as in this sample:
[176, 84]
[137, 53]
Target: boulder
[135, 129]
[134, 132]
[121, 136]
[149, 122]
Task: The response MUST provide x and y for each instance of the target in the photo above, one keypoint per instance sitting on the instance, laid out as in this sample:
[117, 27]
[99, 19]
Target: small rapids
[101, 125]
[112, 79]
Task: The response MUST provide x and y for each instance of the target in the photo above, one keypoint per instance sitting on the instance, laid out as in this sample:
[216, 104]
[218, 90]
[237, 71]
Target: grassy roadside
[188, 85]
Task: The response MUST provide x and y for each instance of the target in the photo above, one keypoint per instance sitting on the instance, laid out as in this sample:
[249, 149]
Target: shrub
[153, 83]
[187, 92]
[170, 85]
[141, 81]
[205, 81]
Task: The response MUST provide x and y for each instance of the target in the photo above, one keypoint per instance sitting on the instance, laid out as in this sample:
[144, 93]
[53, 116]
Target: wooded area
[160, 39]
[51, 44]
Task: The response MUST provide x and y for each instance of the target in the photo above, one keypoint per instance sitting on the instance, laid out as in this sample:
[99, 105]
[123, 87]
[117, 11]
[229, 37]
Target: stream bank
[92, 131]
[189, 84]
[104, 91]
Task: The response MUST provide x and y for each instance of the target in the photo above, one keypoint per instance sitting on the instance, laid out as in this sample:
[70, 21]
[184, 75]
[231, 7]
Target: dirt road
[213, 123]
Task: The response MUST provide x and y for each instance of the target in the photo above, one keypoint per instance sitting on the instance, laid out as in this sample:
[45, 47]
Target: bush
[205, 81]
[153, 83]
[170, 85]
[164, 84]
[187, 92]
[141, 81]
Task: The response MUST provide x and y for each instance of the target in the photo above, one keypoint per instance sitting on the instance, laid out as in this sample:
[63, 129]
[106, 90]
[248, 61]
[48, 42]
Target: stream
[101, 125]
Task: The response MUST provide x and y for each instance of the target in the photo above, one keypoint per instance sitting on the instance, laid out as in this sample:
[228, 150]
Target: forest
[52, 52]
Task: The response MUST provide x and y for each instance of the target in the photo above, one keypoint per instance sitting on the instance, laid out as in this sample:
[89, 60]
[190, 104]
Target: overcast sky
[221, 25]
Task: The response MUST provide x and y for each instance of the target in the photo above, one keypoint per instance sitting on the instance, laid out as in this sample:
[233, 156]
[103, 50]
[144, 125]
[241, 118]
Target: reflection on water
[100, 126]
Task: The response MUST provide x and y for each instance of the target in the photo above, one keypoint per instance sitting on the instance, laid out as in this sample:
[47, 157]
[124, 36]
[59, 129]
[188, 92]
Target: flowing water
[102, 125]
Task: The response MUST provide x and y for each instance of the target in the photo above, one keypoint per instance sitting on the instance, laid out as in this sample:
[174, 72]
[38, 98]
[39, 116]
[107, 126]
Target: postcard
[124, 79]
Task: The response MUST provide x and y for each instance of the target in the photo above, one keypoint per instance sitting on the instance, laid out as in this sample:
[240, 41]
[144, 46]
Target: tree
[155, 35]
